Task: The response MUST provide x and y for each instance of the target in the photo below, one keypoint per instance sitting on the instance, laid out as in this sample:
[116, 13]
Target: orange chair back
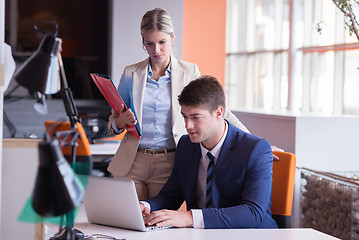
[112, 138]
[83, 148]
[283, 183]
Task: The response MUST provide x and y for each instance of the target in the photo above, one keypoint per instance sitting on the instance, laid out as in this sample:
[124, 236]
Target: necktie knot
[210, 156]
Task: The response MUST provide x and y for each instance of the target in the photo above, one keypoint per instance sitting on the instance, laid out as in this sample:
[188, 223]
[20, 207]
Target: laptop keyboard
[150, 228]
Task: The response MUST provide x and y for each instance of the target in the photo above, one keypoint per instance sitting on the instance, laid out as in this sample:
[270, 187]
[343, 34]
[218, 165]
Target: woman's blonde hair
[157, 19]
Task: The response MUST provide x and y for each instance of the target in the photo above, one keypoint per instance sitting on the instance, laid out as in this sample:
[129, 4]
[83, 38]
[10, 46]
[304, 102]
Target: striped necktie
[210, 169]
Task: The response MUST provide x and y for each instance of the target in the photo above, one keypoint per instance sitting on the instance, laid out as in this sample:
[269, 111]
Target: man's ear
[219, 112]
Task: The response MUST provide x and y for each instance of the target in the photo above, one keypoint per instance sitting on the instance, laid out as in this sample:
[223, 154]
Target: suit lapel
[223, 162]
[177, 84]
[139, 83]
[192, 165]
[226, 153]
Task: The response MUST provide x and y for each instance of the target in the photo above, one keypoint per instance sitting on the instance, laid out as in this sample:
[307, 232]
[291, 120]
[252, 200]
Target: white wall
[319, 143]
[278, 130]
[126, 41]
[17, 186]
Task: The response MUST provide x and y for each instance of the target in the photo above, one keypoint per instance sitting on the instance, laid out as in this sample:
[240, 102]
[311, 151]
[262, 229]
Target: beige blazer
[181, 74]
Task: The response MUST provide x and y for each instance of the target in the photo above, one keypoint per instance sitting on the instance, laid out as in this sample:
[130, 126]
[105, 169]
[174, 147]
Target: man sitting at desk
[223, 173]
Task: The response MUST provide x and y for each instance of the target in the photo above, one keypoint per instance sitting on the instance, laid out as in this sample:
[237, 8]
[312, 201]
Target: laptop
[114, 202]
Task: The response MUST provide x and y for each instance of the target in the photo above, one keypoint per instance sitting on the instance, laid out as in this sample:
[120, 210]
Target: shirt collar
[217, 149]
[150, 73]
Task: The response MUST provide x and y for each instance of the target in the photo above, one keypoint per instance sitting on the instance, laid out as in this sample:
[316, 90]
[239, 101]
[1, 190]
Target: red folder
[109, 91]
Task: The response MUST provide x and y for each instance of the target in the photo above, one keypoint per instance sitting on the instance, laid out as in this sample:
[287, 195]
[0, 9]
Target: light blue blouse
[156, 126]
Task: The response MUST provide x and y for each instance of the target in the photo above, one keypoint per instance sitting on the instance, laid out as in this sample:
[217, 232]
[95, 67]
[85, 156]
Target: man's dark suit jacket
[242, 186]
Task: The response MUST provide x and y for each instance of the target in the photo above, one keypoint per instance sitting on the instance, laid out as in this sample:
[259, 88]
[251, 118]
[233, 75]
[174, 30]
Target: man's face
[202, 125]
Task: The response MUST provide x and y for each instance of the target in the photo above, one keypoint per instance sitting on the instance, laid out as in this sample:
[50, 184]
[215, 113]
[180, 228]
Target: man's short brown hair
[205, 90]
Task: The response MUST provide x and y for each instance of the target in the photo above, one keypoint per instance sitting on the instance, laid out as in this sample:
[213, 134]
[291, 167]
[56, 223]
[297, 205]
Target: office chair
[84, 162]
[283, 188]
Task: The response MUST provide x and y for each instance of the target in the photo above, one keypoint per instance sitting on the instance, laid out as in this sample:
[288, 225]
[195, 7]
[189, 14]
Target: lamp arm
[70, 107]
[68, 138]
[67, 96]
[72, 136]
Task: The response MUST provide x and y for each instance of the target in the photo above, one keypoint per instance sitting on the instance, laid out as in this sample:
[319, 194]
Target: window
[291, 55]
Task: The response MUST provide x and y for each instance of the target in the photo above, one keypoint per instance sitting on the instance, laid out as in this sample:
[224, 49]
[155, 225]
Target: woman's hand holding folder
[125, 117]
[109, 91]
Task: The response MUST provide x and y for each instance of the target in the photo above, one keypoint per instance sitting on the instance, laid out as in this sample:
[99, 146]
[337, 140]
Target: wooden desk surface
[197, 234]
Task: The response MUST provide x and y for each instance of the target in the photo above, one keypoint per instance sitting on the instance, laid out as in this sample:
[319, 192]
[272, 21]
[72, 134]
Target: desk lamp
[57, 191]
[44, 72]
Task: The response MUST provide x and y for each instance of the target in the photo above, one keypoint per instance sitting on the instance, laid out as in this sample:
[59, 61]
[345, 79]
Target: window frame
[298, 68]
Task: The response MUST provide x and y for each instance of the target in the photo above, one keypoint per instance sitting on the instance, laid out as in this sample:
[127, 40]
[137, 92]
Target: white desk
[104, 149]
[198, 234]
[100, 151]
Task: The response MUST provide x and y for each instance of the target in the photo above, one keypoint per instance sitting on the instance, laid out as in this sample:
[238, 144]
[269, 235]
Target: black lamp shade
[40, 72]
[57, 191]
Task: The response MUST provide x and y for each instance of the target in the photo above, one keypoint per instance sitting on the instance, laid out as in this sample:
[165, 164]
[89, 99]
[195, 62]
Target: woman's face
[159, 46]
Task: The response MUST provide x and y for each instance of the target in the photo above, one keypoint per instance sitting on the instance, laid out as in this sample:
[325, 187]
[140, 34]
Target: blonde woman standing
[151, 88]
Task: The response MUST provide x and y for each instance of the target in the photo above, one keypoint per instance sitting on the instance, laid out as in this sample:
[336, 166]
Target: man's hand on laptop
[145, 210]
[169, 217]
